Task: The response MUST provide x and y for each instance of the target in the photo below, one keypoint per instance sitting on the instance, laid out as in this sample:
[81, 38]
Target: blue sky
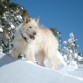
[65, 15]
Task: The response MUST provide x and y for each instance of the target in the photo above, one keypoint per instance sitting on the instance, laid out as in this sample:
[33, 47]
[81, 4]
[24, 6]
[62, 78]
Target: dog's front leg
[30, 56]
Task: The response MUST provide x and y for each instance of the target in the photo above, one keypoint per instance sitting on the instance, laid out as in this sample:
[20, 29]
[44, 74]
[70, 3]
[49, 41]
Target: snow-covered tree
[11, 15]
[70, 53]
[55, 31]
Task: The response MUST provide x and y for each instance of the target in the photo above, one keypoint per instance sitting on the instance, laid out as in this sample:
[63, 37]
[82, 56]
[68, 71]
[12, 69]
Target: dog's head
[30, 26]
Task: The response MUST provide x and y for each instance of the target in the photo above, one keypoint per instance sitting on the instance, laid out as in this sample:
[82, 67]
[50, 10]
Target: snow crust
[18, 71]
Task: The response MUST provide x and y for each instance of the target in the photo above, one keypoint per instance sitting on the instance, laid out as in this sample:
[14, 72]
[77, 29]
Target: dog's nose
[34, 33]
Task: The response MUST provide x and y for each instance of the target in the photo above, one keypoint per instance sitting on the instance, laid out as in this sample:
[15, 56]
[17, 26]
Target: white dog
[35, 43]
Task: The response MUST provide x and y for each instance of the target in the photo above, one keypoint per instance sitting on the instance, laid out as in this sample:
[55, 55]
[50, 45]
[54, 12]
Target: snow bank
[18, 71]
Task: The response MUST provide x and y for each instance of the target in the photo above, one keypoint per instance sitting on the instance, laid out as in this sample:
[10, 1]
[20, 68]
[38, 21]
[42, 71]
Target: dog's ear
[37, 20]
[26, 19]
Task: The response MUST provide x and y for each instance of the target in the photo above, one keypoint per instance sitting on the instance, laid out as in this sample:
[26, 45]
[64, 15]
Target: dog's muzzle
[32, 37]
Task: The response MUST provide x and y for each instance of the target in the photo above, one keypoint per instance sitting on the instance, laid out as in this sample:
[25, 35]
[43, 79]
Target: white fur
[45, 44]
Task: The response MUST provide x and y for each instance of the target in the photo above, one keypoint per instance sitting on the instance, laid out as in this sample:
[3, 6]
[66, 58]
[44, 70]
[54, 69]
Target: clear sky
[65, 15]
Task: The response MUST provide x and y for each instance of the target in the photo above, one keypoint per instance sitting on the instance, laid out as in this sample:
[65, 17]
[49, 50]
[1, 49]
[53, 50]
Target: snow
[80, 58]
[1, 30]
[18, 71]
[19, 16]
[12, 26]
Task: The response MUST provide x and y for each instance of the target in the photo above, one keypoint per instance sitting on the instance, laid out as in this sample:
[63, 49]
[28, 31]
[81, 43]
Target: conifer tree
[70, 52]
[11, 15]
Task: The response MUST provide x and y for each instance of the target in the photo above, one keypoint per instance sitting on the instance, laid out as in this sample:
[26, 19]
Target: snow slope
[18, 71]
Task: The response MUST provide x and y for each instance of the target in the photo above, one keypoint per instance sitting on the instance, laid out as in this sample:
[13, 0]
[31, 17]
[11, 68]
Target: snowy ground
[18, 71]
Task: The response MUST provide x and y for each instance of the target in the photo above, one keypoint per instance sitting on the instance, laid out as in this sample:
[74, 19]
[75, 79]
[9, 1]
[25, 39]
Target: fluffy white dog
[36, 43]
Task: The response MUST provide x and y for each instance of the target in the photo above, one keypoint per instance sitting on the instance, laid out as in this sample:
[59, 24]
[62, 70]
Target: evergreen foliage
[70, 52]
[11, 15]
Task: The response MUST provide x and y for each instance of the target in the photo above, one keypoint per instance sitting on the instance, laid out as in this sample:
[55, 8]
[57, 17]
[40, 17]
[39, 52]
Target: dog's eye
[30, 27]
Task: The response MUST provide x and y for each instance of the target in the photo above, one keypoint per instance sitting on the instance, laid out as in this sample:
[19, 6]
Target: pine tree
[55, 32]
[11, 15]
[70, 53]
